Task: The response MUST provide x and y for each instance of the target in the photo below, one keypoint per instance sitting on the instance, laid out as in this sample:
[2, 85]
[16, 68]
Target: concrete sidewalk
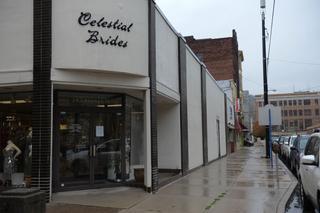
[242, 182]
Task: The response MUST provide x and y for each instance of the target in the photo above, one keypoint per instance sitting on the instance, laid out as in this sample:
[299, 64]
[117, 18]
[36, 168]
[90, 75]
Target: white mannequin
[12, 146]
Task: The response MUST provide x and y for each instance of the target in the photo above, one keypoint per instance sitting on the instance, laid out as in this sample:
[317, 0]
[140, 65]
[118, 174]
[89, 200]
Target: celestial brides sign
[101, 23]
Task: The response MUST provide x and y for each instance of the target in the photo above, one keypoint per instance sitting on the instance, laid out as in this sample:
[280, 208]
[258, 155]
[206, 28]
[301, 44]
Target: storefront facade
[99, 94]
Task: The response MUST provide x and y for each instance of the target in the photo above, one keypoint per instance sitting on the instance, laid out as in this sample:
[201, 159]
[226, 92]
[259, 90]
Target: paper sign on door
[99, 131]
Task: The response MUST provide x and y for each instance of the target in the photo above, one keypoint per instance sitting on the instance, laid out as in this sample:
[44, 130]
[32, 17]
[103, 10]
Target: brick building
[221, 56]
[300, 110]
[223, 60]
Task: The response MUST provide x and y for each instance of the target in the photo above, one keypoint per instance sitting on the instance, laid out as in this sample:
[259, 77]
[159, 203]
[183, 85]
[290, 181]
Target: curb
[281, 208]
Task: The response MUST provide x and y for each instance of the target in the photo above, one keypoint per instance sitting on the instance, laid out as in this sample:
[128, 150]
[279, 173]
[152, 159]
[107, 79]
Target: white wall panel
[99, 79]
[16, 36]
[89, 42]
[169, 140]
[167, 55]
[194, 111]
[12, 78]
[215, 111]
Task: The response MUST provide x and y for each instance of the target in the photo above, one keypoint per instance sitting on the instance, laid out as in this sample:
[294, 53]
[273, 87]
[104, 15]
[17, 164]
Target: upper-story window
[290, 102]
[300, 112]
[274, 103]
[260, 104]
[307, 112]
[316, 101]
[290, 112]
[294, 112]
[285, 112]
[300, 102]
[284, 103]
[307, 102]
[294, 102]
[291, 124]
[307, 123]
[280, 103]
[316, 111]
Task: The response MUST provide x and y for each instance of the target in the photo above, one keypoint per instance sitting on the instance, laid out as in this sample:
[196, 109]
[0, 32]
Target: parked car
[248, 142]
[310, 173]
[282, 141]
[296, 152]
[275, 138]
[286, 148]
[107, 163]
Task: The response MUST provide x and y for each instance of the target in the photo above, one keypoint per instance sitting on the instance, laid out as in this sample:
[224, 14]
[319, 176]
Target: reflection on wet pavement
[294, 203]
[242, 182]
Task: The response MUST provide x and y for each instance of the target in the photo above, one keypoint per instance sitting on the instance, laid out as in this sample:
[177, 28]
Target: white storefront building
[109, 91]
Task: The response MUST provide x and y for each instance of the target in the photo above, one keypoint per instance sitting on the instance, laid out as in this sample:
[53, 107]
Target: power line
[255, 82]
[295, 62]
[271, 28]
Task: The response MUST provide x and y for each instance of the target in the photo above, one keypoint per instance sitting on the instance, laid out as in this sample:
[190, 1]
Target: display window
[15, 139]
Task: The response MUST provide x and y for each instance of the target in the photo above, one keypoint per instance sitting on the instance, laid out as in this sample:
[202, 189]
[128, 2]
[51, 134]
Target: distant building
[223, 60]
[300, 110]
[248, 108]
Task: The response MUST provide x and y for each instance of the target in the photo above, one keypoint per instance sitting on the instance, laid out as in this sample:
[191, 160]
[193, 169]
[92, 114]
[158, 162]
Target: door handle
[90, 151]
[94, 150]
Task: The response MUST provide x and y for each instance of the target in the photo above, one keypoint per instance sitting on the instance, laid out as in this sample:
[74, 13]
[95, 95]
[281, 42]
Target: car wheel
[288, 162]
[291, 166]
[305, 202]
[297, 170]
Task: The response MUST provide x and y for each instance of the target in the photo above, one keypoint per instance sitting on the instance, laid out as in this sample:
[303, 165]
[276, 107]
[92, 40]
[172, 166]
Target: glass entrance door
[97, 138]
[90, 147]
[107, 146]
[74, 155]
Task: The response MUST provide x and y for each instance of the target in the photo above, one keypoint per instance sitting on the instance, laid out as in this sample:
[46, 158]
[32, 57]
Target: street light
[265, 79]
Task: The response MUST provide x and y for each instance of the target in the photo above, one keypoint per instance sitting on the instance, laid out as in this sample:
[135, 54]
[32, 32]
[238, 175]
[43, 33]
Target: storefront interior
[98, 140]
[15, 139]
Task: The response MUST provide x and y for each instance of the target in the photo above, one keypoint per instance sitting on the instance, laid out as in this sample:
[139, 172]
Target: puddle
[294, 203]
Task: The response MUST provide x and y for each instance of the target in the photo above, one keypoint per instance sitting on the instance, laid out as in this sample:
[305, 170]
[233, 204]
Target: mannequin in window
[10, 153]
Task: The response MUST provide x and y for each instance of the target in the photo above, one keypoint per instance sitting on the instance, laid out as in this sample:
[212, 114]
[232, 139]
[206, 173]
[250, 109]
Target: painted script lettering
[95, 36]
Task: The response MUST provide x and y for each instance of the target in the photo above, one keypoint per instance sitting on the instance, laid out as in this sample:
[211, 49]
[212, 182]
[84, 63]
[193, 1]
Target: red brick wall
[219, 55]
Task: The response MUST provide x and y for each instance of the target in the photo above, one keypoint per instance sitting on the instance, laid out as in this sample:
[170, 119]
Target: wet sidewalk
[242, 182]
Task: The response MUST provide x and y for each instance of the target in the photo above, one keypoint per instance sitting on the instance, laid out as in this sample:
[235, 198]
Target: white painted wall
[215, 111]
[98, 79]
[194, 111]
[71, 51]
[169, 140]
[16, 41]
[167, 57]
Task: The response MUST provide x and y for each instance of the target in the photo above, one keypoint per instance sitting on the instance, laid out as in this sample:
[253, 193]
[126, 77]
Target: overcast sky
[295, 48]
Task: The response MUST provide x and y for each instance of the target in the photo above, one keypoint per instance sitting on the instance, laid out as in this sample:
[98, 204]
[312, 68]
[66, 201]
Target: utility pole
[265, 79]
